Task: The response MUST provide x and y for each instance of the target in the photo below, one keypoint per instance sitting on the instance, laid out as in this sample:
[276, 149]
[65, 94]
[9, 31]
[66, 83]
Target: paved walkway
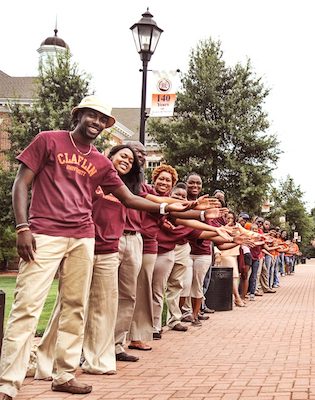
[264, 351]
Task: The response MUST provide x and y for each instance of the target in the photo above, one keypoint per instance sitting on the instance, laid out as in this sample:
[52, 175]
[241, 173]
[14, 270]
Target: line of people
[277, 257]
[121, 246]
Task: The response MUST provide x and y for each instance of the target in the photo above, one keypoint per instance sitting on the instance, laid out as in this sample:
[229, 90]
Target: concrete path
[264, 351]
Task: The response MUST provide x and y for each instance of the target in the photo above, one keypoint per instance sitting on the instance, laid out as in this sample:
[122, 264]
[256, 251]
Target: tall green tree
[219, 128]
[7, 233]
[288, 201]
[59, 87]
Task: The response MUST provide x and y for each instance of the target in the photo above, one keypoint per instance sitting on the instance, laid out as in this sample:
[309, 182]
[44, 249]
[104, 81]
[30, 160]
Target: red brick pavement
[264, 351]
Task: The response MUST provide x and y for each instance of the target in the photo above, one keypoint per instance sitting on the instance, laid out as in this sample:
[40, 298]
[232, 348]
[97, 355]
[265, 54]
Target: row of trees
[219, 129]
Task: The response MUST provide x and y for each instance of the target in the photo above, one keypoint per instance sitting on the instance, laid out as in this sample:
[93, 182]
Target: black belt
[130, 233]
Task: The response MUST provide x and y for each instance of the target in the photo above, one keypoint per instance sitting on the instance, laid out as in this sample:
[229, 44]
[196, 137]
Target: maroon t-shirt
[109, 217]
[133, 220]
[150, 224]
[255, 252]
[168, 238]
[202, 246]
[64, 183]
[217, 222]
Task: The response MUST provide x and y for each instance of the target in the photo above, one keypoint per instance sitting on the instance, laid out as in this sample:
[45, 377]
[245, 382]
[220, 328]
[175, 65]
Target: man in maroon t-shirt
[64, 169]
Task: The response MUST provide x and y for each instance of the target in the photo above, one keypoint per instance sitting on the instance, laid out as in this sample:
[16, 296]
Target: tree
[59, 87]
[288, 201]
[7, 246]
[7, 234]
[219, 129]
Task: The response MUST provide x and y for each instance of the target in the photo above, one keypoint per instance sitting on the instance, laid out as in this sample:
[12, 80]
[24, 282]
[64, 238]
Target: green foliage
[219, 129]
[7, 232]
[8, 286]
[7, 246]
[102, 142]
[288, 202]
[59, 87]
[6, 182]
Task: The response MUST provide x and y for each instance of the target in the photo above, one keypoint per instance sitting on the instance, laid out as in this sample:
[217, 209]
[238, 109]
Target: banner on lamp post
[265, 207]
[164, 93]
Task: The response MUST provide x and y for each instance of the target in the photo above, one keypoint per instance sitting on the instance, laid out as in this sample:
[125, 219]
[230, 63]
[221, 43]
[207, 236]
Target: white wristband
[202, 216]
[162, 209]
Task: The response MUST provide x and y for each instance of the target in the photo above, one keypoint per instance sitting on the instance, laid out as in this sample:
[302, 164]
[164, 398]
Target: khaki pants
[142, 321]
[162, 269]
[99, 341]
[98, 345]
[130, 257]
[201, 265]
[32, 286]
[175, 283]
[262, 276]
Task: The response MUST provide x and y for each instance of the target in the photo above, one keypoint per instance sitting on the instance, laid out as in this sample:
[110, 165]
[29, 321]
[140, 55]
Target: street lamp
[146, 35]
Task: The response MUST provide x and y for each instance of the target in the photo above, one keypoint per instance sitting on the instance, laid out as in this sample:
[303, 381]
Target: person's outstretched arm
[25, 241]
[130, 200]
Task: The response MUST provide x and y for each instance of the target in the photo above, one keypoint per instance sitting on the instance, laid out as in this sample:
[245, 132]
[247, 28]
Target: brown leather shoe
[126, 357]
[180, 328]
[139, 345]
[4, 396]
[73, 386]
[157, 335]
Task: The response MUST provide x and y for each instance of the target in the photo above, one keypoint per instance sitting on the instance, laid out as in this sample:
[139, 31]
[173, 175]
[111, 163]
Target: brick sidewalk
[264, 351]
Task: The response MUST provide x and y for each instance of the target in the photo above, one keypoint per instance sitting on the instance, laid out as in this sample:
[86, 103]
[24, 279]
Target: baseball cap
[244, 215]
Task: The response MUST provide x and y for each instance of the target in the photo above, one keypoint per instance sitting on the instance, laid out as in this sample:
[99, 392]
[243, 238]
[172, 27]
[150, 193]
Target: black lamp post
[146, 35]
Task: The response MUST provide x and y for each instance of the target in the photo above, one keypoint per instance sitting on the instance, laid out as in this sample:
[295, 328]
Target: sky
[277, 36]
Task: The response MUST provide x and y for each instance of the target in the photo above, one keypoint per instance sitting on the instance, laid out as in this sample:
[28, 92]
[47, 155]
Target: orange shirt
[284, 246]
[293, 249]
[248, 226]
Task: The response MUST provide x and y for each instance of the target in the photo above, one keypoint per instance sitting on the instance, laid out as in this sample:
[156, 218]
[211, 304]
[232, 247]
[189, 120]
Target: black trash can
[303, 260]
[219, 295]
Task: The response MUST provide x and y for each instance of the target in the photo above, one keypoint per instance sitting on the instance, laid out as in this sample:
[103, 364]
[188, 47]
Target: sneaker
[179, 327]
[202, 317]
[188, 318]
[196, 323]
[207, 310]
[252, 297]
[270, 291]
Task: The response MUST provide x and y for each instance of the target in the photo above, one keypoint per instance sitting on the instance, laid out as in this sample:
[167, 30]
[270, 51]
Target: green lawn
[7, 284]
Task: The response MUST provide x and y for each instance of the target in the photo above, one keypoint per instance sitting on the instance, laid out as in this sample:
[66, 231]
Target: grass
[7, 284]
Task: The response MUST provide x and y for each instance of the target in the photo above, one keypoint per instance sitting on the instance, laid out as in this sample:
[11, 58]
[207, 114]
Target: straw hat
[97, 104]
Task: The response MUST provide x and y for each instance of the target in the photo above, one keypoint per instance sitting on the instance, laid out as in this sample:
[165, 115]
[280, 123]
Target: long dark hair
[133, 179]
